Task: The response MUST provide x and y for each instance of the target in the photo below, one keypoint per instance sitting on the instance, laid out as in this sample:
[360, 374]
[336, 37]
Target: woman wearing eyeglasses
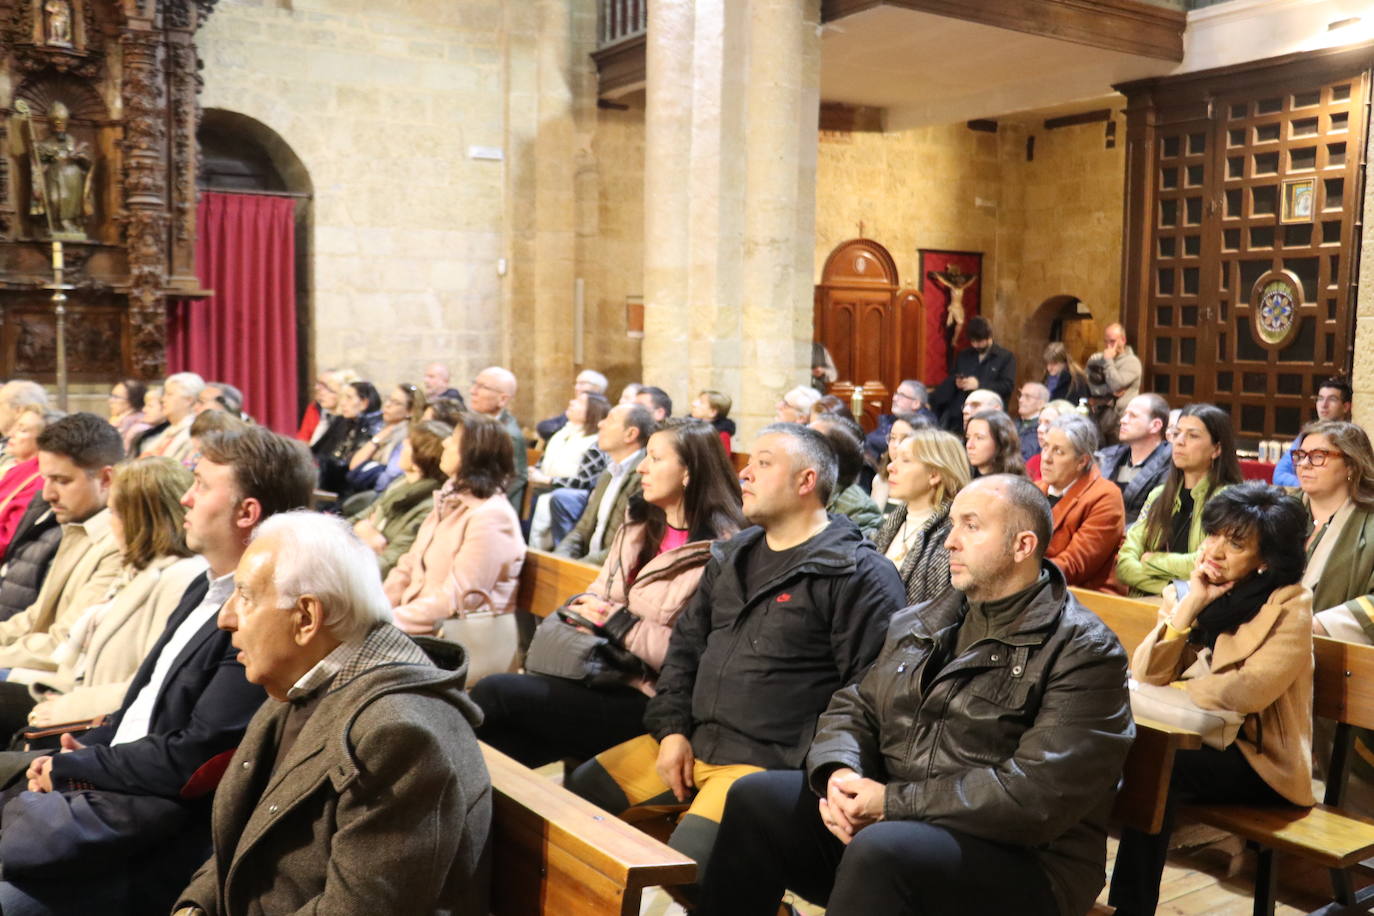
[1162, 545]
[377, 462]
[1335, 467]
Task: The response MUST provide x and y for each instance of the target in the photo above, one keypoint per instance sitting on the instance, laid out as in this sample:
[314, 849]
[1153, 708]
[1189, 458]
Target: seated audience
[491, 391]
[622, 437]
[629, 392]
[902, 427]
[154, 417]
[690, 498]
[1034, 397]
[358, 420]
[564, 453]
[377, 462]
[829, 405]
[920, 793]
[189, 704]
[657, 400]
[1335, 466]
[1089, 517]
[1119, 365]
[927, 470]
[445, 410]
[15, 395]
[1240, 639]
[220, 396]
[1334, 402]
[588, 381]
[795, 406]
[206, 422]
[126, 409]
[437, 384]
[714, 408]
[1048, 414]
[1162, 545]
[908, 400]
[982, 364]
[179, 393]
[315, 421]
[979, 401]
[92, 669]
[1064, 378]
[992, 445]
[389, 525]
[588, 411]
[848, 498]
[461, 574]
[358, 786]
[23, 482]
[1142, 459]
[76, 456]
[788, 611]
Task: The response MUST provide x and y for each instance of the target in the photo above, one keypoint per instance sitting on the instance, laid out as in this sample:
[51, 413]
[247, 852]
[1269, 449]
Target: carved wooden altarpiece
[126, 71]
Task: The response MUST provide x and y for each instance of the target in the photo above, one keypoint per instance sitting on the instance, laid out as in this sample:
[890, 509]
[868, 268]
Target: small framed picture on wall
[1299, 200]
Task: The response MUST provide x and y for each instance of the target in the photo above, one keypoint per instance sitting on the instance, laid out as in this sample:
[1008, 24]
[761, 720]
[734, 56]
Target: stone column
[730, 160]
[1362, 374]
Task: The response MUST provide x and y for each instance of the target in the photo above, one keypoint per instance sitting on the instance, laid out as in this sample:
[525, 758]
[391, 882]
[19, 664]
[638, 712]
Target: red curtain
[245, 334]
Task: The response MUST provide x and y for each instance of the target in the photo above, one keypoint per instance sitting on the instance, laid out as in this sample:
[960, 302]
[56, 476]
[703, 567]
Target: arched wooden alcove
[870, 325]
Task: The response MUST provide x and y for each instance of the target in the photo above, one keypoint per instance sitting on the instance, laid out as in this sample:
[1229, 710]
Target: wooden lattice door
[1244, 187]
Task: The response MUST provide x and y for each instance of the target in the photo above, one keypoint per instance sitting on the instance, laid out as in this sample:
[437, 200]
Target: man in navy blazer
[117, 821]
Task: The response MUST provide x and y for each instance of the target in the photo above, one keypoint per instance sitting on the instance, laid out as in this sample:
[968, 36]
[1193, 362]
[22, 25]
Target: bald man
[1119, 364]
[436, 382]
[491, 391]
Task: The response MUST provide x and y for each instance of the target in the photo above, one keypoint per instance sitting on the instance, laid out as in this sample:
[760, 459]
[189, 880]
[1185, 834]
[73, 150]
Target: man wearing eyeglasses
[491, 391]
[1334, 397]
[908, 400]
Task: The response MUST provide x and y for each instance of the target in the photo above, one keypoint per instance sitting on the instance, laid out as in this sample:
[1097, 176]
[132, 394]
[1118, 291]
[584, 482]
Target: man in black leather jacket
[971, 770]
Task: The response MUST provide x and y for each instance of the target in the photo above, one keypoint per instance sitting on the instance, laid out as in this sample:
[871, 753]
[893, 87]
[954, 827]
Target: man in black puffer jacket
[971, 770]
[786, 613]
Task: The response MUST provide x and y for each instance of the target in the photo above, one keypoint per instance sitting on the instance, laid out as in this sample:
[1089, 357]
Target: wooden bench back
[554, 853]
[1131, 620]
[547, 580]
[1343, 684]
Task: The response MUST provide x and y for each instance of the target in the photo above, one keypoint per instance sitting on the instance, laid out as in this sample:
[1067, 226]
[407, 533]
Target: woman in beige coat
[460, 576]
[690, 497]
[1239, 635]
[106, 646]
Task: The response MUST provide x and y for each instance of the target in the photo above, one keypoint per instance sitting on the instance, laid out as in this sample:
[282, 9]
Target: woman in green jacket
[390, 524]
[1163, 543]
[1335, 466]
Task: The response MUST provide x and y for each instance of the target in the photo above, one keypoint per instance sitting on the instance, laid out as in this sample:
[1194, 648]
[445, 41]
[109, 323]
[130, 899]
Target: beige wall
[381, 100]
[1047, 227]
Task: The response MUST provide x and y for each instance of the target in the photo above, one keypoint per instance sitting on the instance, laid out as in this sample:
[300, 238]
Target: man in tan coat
[76, 456]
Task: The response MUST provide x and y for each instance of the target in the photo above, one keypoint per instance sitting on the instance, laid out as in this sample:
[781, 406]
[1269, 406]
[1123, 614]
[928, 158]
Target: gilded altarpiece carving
[125, 73]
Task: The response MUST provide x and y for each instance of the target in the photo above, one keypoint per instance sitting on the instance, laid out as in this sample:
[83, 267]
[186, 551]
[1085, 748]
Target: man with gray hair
[1034, 397]
[491, 391]
[361, 772]
[971, 769]
[180, 393]
[911, 399]
[787, 612]
[1089, 516]
[588, 381]
[979, 400]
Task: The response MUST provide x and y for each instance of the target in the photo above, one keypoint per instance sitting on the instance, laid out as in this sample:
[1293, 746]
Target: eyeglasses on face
[1316, 457]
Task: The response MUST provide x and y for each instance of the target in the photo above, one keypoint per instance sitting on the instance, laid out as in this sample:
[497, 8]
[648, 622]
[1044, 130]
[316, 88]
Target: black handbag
[569, 646]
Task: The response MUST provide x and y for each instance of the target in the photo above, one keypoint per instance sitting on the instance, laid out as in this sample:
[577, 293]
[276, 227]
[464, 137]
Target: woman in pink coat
[460, 577]
[690, 497]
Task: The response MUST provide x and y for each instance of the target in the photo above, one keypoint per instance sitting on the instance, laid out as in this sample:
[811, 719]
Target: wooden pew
[554, 853]
[1145, 778]
[547, 580]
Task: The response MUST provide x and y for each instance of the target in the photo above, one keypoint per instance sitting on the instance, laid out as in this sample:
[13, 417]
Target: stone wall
[382, 101]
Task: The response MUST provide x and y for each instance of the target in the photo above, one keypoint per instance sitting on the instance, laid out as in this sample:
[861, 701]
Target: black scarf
[1234, 608]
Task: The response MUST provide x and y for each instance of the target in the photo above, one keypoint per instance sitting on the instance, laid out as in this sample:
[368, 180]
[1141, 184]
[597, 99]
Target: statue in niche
[62, 167]
[956, 283]
[57, 23]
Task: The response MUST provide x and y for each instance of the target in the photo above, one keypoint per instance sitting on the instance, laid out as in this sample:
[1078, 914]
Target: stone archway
[1062, 317]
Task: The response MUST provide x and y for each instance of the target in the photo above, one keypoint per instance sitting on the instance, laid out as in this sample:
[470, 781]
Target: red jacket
[1089, 523]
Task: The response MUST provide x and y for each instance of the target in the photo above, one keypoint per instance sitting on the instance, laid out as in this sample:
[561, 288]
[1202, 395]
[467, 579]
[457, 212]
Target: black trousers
[1203, 775]
[772, 839]
[538, 720]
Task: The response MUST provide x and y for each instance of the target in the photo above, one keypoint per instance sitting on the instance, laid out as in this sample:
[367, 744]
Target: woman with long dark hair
[993, 445]
[1065, 379]
[460, 576]
[690, 497]
[358, 420]
[1240, 638]
[1162, 545]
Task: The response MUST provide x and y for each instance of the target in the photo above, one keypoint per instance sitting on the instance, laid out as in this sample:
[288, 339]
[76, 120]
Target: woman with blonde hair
[925, 471]
[92, 668]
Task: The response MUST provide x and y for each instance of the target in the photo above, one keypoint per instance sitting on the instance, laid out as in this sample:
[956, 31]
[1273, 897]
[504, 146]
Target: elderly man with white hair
[1089, 514]
[979, 400]
[179, 395]
[491, 391]
[1033, 398]
[359, 785]
[795, 406]
[588, 381]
